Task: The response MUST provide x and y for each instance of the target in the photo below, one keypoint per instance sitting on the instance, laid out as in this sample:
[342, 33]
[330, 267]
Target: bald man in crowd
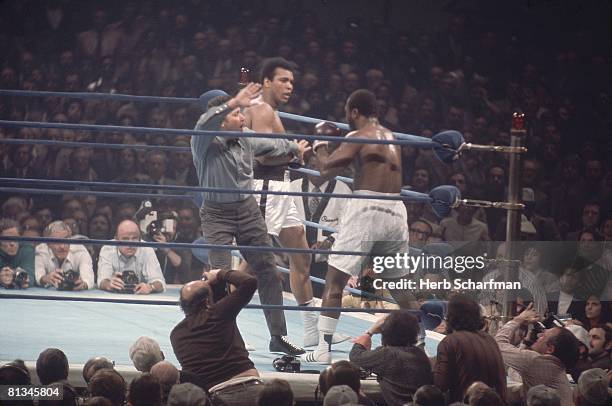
[117, 264]
[207, 342]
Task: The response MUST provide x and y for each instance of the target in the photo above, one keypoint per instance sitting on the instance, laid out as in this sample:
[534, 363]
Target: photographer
[63, 266]
[171, 261]
[546, 361]
[128, 269]
[16, 260]
[401, 366]
[207, 342]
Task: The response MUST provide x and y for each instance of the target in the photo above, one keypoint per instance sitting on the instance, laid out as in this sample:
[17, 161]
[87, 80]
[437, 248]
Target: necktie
[314, 201]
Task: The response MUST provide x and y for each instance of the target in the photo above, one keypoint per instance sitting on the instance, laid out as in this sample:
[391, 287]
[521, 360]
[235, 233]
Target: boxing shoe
[311, 340]
[282, 344]
[317, 357]
[311, 331]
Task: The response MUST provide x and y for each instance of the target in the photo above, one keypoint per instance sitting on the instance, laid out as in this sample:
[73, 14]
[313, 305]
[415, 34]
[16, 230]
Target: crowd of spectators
[465, 75]
[468, 369]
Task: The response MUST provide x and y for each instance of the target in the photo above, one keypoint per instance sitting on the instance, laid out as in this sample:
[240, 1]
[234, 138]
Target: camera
[70, 279]
[20, 278]
[551, 320]
[152, 222]
[130, 280]
[286, 363]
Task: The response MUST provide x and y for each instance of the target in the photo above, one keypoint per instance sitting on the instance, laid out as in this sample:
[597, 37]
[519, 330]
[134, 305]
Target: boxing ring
[98, 323]
[83, 329]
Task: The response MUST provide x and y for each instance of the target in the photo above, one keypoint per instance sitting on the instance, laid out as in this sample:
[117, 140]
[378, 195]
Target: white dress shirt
[78, 259]
[333, 211]
[144, 263]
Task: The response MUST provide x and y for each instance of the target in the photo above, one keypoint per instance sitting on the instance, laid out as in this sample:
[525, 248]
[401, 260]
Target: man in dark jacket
[207, 341]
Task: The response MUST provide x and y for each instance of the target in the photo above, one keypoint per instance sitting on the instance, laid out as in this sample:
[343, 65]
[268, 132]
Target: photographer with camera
[63, 266]
[546, 360]
[16, 260]
[127, 269]
[158, 223]
[207, 342]
[401, 366]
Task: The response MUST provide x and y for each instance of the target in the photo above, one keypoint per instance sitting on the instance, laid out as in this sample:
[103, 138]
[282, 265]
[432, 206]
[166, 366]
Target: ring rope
[406, 194]
[346, 288]
[183, 245]
[95, 193]
[319, 226]
[426, 142]
[94, 96]
[15, 295]
[94, 145]
[415, 140]
[233, 134]
[97, 145]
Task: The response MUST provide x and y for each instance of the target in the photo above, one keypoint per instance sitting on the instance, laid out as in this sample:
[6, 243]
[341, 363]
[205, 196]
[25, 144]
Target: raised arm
[230, 305]
[517, 358]
[200, 144]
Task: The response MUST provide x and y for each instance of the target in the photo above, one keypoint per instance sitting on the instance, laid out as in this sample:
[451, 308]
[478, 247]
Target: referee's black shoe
[282, 344]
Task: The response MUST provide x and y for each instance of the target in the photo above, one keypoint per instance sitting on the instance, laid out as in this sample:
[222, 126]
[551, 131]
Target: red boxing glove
[327, 128]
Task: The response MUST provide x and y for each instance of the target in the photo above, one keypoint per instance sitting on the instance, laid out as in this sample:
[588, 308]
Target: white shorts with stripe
[280, 210]
[377, 227]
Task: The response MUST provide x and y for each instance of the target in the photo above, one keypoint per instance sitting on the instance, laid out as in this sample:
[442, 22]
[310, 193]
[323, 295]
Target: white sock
[327, 328]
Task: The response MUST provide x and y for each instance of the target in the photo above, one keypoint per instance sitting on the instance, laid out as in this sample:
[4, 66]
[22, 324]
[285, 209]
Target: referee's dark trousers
[221, 223]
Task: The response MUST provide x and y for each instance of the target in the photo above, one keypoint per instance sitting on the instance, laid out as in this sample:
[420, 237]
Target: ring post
[513, 219]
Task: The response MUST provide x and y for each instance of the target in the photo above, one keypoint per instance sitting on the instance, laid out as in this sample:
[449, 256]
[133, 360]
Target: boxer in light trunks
[374, 226]
[280, 213]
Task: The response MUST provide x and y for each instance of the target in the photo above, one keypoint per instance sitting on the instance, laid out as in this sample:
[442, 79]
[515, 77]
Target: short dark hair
[485, 397]
[69, 396]
[195, 304]
[269, 65]
[52, 366]
[464, 314]
[344, 373]
[597, 236]
[364, 101]
[7, 223]
[566, 347]
[429, 395]
[276, 392]
[110, 384]
[13, 374]
[323, 377]
[93, 365]
[145, 390]
[400, 329]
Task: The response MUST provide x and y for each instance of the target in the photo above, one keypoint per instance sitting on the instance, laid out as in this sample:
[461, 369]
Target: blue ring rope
[134, 195]
[94, 145]
[99, 145]
[200, 133]
[319, 226]
[405, 194]
[361, 293]
[182, 245]
[127, 300]
[417, 140]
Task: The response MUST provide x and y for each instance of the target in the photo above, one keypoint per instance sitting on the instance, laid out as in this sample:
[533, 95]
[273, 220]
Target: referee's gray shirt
[225, 162]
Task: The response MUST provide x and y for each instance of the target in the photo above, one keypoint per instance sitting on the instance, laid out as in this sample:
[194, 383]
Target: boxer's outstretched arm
[332, 165]
[262, 118]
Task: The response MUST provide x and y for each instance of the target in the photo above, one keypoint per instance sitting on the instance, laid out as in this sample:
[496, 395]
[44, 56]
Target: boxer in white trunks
[378, 227]
[280, 212]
